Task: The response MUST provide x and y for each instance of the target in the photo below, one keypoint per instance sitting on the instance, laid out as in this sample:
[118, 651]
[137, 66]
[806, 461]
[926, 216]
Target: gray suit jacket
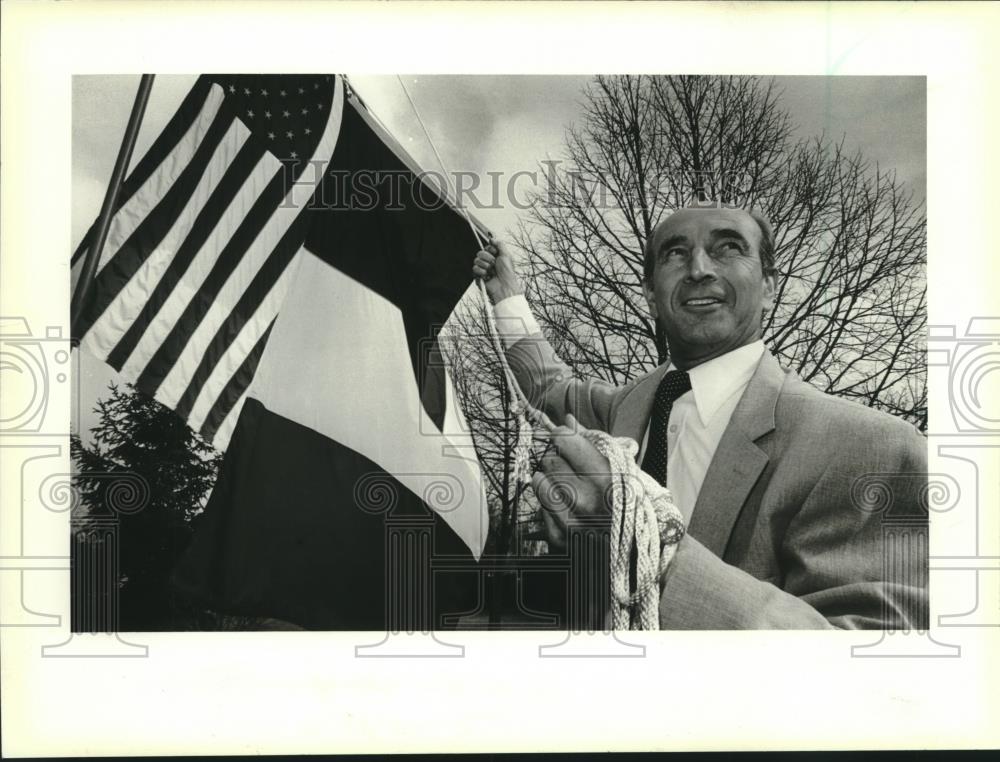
[811, 514]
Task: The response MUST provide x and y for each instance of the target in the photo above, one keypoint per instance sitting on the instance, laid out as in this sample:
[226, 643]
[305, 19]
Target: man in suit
[779, 483]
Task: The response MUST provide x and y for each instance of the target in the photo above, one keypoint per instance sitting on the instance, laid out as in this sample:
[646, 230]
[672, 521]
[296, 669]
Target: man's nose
[700, 266]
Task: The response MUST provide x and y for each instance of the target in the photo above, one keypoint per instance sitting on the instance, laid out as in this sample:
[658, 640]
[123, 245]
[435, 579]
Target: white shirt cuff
[514, 319]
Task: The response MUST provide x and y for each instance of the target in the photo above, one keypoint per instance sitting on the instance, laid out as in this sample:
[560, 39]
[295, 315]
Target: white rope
[519, 405]
[643, 515]
[447, 176]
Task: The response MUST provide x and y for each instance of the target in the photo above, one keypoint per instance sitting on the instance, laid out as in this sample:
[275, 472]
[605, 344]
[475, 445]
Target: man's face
[707, 288]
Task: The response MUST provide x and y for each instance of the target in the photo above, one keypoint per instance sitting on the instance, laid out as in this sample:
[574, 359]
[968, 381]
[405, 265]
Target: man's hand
[496, 267]
[572, 483]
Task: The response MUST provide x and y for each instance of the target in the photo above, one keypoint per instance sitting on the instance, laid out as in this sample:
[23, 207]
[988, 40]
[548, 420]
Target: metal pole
[93, 256]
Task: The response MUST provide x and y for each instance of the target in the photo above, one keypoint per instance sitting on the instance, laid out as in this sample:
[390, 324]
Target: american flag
[200, 250]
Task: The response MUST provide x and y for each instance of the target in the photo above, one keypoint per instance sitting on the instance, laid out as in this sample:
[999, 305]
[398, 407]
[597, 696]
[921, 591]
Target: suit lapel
[632, 416]
[738, 461]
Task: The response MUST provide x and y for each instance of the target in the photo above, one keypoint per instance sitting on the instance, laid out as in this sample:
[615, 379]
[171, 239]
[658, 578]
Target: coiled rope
[643, 515]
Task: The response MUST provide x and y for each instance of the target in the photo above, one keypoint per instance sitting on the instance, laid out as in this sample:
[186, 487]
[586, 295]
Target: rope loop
[644, 517]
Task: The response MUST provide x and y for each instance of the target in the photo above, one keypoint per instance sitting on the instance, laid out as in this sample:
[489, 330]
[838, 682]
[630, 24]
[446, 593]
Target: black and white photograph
[498, 377]
[344, 400]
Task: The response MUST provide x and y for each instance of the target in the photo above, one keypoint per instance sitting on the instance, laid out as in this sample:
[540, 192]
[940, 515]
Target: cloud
[884, 117]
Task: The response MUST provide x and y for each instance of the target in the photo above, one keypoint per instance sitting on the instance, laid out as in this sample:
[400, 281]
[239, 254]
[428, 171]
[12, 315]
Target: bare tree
[850, 311]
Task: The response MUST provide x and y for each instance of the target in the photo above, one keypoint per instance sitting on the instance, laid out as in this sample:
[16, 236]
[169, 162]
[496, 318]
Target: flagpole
[93, 256]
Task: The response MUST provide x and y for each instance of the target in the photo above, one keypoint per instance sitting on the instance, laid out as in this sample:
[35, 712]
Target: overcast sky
[492, 124]
[505, 124]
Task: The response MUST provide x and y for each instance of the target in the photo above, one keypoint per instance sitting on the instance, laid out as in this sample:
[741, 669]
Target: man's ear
[768, 292]
[648, 293]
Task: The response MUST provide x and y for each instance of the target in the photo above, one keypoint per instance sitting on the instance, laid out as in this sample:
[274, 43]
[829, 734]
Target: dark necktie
[672, 386]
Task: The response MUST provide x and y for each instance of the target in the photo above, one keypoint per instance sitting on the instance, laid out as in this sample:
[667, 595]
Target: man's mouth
[702, 301]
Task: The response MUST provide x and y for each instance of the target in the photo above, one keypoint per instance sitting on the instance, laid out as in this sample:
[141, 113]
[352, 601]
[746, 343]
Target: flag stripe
[436, 188]
[208, 218]
[223, 434]
[285, 534]
[338, 362]
[212, 123]
[76, 261]
[120, 315]
[238, 255]
[176, 129]
[204, 95]
[227, 362]
[423, 253]
[262, 288]
[198, 270]
[147, 234]
[235, 391]
[262, 231]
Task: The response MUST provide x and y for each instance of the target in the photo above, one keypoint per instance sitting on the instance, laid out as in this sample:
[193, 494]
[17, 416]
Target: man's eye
[729, 247]
[675, 251]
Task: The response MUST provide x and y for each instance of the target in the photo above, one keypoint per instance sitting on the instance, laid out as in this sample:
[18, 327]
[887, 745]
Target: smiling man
[709, 273]
[771, 475]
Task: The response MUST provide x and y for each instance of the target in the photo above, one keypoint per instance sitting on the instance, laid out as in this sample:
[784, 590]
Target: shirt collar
[715, 381]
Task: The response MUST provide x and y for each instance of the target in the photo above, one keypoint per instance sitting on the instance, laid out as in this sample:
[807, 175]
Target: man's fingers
[554, 463]
[539, 418]
[553, 514]
[482, 265]
[557, 491]
[579, 453]
[570, 443]
[545, 489]
[541, 533]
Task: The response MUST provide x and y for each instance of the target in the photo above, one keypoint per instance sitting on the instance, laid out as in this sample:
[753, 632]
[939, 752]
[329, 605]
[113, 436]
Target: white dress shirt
[698, 417]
